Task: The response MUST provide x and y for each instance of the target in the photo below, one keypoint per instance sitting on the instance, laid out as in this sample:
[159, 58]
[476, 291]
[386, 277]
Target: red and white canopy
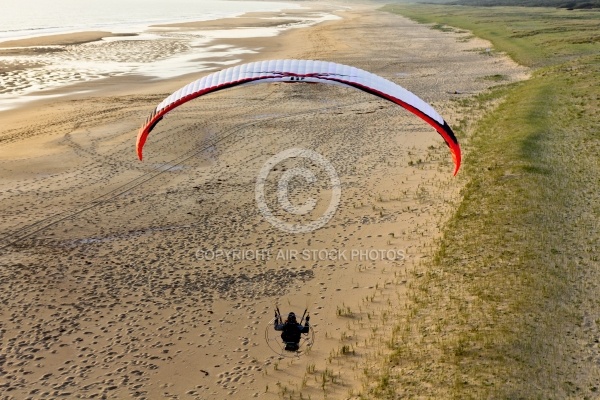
[303, 71]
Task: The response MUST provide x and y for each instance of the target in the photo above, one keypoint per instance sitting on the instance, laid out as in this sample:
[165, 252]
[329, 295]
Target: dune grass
[508, 307]
[567, 4]
[534, 37]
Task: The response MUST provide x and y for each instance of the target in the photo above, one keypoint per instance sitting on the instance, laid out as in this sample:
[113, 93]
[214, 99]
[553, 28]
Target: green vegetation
[508, 307]
[568, 4]
[534, 37]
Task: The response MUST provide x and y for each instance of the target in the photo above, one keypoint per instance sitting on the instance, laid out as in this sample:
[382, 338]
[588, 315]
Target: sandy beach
[158, 279]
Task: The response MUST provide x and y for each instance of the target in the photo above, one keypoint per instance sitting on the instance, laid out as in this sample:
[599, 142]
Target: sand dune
[124, 293]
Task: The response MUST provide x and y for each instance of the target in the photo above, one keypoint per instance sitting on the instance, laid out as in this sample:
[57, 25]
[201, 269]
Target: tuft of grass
[495, 78]
[344, 311]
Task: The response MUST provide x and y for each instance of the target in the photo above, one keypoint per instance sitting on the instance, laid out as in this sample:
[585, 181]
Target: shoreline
[144, 21]
[63, 39]
[165, 51]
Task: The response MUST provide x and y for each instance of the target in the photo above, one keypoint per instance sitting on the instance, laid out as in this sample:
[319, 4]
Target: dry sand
[116, 298]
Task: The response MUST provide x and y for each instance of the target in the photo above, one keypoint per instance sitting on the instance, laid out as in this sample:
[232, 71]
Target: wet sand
[66, 39]
[33, 66]
[127, 279]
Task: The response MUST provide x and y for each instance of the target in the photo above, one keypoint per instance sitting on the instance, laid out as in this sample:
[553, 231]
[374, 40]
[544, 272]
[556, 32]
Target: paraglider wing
[303, 71]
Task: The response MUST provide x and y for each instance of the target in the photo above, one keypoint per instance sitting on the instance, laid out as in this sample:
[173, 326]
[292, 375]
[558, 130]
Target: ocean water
[29, 18]
[153, 52]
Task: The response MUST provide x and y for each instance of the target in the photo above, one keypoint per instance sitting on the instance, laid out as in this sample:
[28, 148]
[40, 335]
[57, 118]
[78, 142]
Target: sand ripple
[85, 62]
